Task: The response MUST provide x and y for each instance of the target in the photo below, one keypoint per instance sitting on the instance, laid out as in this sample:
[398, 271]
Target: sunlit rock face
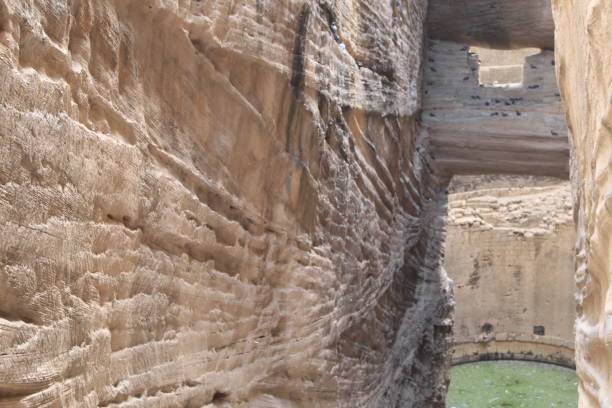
[583, 36]
[509, 251]
[214, 203]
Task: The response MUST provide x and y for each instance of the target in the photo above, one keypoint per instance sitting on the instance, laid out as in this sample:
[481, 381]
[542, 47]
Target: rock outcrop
[509, 251]
[583, 40]
[215, 203]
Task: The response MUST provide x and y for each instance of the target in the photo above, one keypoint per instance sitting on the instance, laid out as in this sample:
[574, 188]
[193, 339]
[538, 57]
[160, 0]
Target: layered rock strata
[478, 129]
[583, 36]
[500, 24]
[509, 251]
[214, 203]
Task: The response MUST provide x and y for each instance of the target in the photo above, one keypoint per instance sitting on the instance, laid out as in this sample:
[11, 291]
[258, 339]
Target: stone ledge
[514, 350]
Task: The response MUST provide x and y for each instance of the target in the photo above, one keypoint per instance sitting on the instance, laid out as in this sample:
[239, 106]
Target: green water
[505, 384]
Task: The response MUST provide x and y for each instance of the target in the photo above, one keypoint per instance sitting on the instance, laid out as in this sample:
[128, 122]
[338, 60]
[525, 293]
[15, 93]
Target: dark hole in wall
[487, 328]
[219, 396]
[539, 330]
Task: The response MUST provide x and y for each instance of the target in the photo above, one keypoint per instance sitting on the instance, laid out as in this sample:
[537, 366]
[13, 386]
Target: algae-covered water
[512, 384]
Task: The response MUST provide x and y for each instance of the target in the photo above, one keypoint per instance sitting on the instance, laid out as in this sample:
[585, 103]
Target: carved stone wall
[208, 203]
[478, 129]
[583, 36]
[509, 250]
[502, 24]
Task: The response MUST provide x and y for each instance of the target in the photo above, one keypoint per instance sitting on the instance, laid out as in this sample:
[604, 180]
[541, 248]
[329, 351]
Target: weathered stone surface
[583, 47]
[502, 24]
[476, 129]
[509, 251]
[209, 203]
[462, 184]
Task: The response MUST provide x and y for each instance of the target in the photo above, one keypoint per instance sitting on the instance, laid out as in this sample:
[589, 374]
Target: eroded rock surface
[509, 250]
[209, 203]
[583, 40]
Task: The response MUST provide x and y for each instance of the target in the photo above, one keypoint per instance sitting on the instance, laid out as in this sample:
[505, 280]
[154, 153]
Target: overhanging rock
[473, 128]
[499, 24]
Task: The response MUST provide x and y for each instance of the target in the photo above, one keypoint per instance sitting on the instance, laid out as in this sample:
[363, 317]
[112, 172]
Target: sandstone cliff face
[583, 36]
[209, 203]
[509, 251]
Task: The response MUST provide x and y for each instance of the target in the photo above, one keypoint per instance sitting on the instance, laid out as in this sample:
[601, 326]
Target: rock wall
[502, 24]
[476, 129]
[583, 36]
[462, 184]
[509, 251]
[217, 203]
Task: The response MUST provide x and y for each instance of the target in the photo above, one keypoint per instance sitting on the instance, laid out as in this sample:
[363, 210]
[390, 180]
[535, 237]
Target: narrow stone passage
[244, 204]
